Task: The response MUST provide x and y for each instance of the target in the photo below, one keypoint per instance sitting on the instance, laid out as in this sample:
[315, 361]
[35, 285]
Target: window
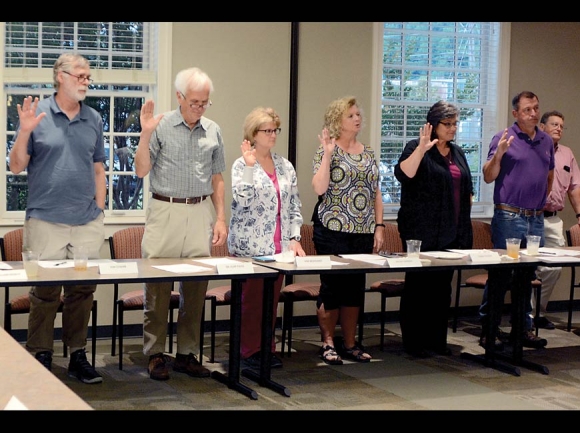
[123, 58]
[423, 62]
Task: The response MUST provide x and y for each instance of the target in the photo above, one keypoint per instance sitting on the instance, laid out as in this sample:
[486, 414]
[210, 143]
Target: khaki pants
[181, 231]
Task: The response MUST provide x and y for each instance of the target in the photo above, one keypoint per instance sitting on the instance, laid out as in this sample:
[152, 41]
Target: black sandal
[355, 353]
[329, 356]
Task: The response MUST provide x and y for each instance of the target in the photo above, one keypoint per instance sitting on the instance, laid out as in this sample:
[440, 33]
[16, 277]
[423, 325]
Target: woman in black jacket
[436, 197]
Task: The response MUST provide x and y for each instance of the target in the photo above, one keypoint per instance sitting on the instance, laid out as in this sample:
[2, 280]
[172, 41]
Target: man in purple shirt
[566, 182]
[521, 163]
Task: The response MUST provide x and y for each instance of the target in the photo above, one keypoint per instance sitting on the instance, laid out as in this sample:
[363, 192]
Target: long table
[147, 271]
[491, 358]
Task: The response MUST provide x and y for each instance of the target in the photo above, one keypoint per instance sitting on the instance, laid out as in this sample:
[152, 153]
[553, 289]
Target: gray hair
[67, 62]
[192, 79]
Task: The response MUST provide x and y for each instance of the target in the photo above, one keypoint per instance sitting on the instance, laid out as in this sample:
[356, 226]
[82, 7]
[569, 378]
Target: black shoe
[497, 345]
[504, 337]
[417, 353]
[45, 358]
[544, 323]
[190, 365]
[253, 361]
[81, 369]
[529, 339]
[275, 362]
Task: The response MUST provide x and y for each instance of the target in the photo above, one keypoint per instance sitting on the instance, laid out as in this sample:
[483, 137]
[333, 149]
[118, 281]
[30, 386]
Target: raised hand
[27, 114]
[148, 121]
[504, 143]
[327, 143]
[425, 141]
[248, 153]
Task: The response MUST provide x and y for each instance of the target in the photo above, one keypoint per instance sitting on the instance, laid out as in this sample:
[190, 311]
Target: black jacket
[427, 211]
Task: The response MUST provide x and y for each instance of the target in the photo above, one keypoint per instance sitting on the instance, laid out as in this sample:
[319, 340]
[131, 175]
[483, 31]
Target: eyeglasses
[271, 131]
[556, 125]
[528, 110]
[197, 104]
[449, 125]
[81, 78]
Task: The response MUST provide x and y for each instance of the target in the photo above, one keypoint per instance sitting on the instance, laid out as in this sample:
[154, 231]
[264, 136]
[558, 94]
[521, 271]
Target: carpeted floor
[392, 381]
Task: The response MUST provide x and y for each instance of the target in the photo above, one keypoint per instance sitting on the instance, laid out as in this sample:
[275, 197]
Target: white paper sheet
[183, 268]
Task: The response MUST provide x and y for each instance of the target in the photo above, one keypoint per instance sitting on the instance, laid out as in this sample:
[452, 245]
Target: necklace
[448, 158]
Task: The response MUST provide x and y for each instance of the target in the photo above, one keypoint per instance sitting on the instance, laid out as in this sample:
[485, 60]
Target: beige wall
[249, 64]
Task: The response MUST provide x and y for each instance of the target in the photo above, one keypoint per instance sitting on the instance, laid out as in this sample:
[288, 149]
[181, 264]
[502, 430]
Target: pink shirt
[566, 178]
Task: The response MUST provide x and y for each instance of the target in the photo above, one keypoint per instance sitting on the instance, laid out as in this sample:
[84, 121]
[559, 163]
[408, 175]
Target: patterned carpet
[392, 381]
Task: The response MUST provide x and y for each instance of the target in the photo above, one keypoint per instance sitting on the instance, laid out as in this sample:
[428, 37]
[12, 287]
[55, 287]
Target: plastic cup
[513, 247]
[533, 244]
[413, 247]
[30, 263]
[81, 258]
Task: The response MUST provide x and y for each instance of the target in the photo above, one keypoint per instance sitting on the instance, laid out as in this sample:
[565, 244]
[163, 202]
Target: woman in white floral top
[265, 215]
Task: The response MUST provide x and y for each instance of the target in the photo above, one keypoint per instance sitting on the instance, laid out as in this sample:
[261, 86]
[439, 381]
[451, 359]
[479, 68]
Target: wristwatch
[296, 238]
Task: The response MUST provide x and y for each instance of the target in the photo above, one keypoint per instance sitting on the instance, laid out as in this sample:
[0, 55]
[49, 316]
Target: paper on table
[183, 268]
[560, 259]
[558, 252]
[403, 262]
[66, 263]
[448, 255]
[13, 275]
[373, 259]
[4, 265]
[15, 404]
[215, 261]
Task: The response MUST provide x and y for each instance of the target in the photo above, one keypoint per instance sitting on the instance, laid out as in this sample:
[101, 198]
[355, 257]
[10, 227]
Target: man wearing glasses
[566, 182]
[60, 143]
[184, 153]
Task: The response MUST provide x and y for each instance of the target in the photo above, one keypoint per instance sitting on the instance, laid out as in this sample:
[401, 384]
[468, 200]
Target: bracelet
[382, 225]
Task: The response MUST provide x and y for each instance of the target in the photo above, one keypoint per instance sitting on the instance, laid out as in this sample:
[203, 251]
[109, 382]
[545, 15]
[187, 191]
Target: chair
[297, 292]
[482, 240]
[218, 296]
[126, 244]
[10, 250]
[390, 288]
[573, 240]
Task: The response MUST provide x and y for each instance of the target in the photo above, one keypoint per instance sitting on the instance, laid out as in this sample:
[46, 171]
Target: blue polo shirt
[523, 177]
[61, 174]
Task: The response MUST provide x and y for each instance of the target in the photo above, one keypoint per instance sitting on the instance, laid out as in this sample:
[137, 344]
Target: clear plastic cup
[533, 245]
[30, 263]
[81, 258]
[413, 247]
[513, 247]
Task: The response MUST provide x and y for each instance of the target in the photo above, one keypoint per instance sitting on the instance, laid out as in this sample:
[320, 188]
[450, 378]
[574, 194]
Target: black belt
[519, 210]
[189, 200]
[548, 214]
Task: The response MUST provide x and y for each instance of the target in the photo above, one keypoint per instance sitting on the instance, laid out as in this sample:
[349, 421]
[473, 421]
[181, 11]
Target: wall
[249, 64]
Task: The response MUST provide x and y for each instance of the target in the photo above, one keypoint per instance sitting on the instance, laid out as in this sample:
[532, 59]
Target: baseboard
[136, 330]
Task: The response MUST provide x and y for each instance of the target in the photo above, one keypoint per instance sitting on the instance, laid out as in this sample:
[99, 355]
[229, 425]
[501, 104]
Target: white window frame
[160, 85]
[484, 208]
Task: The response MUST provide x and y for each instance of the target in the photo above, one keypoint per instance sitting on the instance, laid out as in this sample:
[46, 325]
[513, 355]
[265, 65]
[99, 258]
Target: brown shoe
[158, 369]
[190, 365]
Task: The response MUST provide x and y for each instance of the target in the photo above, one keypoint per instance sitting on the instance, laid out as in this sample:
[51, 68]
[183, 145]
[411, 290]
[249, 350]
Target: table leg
[232, 379]
[263, 377]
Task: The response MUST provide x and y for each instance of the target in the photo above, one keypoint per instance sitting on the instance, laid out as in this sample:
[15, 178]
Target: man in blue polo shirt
[521, 163]
[60, 143]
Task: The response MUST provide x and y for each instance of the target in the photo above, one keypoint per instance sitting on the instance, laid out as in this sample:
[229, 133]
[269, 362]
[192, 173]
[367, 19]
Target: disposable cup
[413, 247]
[513, 247]
[533, 244]
[30, 263]
[81, 258]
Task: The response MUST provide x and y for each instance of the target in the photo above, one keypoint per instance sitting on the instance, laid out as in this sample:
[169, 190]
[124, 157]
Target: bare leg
[327, 320]
[348, 323]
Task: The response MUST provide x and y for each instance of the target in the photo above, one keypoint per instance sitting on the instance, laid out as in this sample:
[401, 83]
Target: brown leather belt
[189, 200]
[548, 214]
[519, 210]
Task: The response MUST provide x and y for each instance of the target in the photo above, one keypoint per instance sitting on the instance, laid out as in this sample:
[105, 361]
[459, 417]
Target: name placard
[404, 262]
[485, 256]
[118, 268]
[14, 274]
[233, 267]
[316, 262]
